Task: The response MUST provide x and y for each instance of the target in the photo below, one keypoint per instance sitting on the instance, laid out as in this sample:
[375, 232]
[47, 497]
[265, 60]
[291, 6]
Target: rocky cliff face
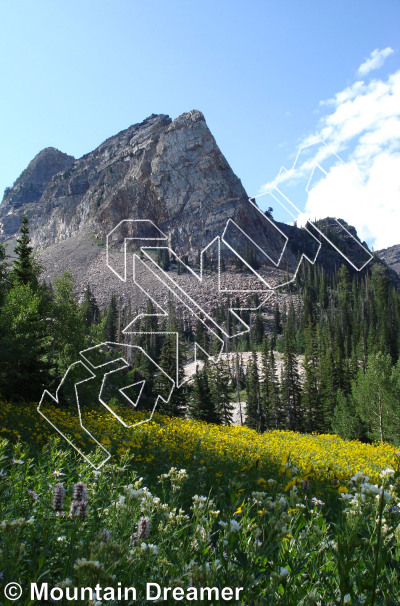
[171, 172]
[30, 186]
[391, 256]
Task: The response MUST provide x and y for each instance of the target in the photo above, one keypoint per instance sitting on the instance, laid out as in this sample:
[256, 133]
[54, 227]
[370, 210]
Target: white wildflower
[386, 473]
[234, 525]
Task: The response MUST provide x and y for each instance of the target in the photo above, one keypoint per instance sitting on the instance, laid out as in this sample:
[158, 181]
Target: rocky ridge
[391, 256]
[170, 172]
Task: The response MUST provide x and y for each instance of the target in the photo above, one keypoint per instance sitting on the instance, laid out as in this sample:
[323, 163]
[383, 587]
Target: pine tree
[69, 332]
[111, 322]
[376, 395]
[290, 386]
[239, 379]
[202, 406]
[176, 405]
[220, 391]
[26, 270]
[254, 411]
[257, 329]
[24, 372]
[277, 325]
[90, 309]
[310, 397]
[201, 337]
[270, 390]
[346, 422]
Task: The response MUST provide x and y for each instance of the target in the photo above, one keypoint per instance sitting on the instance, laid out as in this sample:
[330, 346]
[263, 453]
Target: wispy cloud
[362, 124]
[374, 61]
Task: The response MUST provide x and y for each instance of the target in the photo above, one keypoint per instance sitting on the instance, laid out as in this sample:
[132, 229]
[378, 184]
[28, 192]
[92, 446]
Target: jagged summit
[30, 185]
[169, 171]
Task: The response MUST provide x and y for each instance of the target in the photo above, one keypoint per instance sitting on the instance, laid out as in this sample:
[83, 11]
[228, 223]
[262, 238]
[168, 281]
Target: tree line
[337, 340]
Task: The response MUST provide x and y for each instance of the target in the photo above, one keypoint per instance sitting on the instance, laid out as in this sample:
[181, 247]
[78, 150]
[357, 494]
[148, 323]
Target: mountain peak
[30, 186]
[168, 171]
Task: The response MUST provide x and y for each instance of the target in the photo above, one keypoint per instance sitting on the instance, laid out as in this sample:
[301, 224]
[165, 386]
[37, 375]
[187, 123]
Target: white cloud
[375, 60]
[362, 123]
[372, 206]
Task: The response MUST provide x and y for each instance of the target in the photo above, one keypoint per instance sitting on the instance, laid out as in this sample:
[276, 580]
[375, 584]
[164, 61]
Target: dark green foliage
[168, 362]
[220, 391]
[255, 417]
[257, 329]
[202, 406]
[23, 340]
[67, 329]
[26, 269]
[346, 325]
[372, 408]
[290, 385]
[111, 322]
[270, 393]
[90, 309]
[163, 258]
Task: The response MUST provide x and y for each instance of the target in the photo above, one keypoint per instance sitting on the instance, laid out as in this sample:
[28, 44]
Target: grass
[186, 504]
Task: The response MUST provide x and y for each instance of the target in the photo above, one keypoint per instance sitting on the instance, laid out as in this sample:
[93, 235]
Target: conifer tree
[270, 389]
[254, 411]
[176, 405]
[25, 270]
[90, 309]
[376, 394]
[310, 397]
[257, 329]
[202, 406]
[24, 371]
[111, 322]
[220, 391]
[291, 393]
[201, 337]
[239, 379]
[69, 334]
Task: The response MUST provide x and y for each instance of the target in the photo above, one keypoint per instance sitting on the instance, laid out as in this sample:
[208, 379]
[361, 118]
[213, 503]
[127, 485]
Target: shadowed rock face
[171, 172]
[391, 256]
[30, 186]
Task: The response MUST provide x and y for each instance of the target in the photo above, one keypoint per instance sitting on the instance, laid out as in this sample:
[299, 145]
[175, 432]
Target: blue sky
[269, 77]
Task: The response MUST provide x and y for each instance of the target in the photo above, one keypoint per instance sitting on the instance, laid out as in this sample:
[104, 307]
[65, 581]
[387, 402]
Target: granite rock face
[171, 172]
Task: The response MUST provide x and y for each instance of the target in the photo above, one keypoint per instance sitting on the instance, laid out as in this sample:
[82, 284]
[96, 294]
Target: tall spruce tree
[26, 269]
[111, 322]
[254, 411]
[220, 391]
[202, 406]
[270, 396]
[176, 405]
[90, 308]
[68, 328]
[290, 386]
[24, 372]
[310, 397]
